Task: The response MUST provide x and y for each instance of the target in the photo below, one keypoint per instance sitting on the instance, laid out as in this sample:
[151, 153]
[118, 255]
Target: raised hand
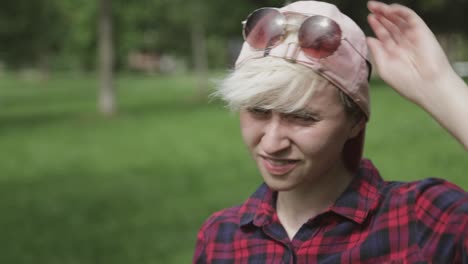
[409, 58]
[406, 52]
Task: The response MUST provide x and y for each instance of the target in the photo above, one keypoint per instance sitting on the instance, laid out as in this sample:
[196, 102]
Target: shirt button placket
[289, 257]
[278, 234]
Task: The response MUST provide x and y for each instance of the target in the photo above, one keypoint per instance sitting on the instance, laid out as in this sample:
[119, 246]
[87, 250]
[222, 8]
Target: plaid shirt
[373, 221]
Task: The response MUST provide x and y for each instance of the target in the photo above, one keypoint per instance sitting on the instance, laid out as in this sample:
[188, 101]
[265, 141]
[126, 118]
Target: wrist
[446, 102]
[442, 89]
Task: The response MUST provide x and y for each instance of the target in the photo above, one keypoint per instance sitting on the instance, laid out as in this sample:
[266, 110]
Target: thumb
[377, 52]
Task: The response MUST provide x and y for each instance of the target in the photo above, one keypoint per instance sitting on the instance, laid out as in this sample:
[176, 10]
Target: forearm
[447, 102]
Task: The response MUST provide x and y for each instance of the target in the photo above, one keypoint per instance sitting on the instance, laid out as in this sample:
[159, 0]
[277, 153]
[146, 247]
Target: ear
[357, 127]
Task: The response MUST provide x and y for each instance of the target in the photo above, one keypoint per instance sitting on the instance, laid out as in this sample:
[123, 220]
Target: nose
[275, 136]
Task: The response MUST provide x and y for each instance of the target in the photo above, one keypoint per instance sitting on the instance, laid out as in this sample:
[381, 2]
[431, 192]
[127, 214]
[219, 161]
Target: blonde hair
[276, 84]
[270, 83]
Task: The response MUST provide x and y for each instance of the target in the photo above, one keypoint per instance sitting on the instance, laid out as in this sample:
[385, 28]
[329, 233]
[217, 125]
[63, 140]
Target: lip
[278, 166]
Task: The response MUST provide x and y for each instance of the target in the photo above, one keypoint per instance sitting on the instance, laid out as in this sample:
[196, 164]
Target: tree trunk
[199, 57]
[107, 105]
[44, 66]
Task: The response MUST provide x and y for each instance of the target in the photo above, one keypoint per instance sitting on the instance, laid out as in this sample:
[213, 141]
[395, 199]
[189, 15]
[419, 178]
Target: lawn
[79, 188]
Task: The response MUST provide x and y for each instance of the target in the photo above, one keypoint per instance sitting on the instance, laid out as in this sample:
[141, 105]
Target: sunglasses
[318, 36]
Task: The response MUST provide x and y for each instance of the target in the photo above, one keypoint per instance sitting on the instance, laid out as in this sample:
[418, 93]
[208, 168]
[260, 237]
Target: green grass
[78, 188]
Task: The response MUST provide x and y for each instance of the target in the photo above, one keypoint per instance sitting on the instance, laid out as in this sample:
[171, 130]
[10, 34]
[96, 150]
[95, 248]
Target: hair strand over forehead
[270, 83]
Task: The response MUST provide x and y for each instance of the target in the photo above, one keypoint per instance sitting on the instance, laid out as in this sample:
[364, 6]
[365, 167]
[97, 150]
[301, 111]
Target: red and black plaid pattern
[373, 221]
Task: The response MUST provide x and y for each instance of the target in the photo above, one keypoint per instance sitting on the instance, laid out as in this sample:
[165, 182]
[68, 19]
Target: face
[300, 148]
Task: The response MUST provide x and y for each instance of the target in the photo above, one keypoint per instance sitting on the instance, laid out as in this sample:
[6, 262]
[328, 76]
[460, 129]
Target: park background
[112, 151]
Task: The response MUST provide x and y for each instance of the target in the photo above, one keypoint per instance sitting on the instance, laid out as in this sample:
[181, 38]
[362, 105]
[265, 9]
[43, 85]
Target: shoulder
[224, 224]
[228, 215]
[218, 227]
[436, 211]
[431, 196]
[428, 199]
[222, 221]
[440, 205]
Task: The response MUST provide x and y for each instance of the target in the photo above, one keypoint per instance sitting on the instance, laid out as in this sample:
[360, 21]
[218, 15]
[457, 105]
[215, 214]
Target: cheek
[321, 139]
[246, 135]
[312, 142]
[249, 131]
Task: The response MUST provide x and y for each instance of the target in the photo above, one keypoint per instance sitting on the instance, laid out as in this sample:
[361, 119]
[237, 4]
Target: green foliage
[29, 30]
[80, 41]
[76, 188]
[65, 30]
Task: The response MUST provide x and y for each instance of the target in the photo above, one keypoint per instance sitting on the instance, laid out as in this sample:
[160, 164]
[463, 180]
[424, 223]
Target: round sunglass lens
[264, 28]
[319, 36]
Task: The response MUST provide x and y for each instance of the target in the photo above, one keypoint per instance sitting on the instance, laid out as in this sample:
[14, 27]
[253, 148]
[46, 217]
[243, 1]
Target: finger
[380, 31]
[411, 24]
[389, 12]
[377, 51]
[393, 30]
[376, 7]
[375, 47]
[397, 11]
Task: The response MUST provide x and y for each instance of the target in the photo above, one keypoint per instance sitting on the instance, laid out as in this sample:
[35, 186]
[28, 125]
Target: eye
[303, 118]
[259, 112]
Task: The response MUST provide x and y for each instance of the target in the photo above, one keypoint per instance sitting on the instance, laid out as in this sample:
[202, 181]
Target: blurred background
[113, 152]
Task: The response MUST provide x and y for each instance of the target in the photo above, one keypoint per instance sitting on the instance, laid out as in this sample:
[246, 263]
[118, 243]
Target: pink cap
[346, 67]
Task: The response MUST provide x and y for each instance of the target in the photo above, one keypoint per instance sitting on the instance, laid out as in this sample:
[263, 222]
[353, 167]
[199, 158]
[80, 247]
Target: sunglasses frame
[283, 36]
[285, 31]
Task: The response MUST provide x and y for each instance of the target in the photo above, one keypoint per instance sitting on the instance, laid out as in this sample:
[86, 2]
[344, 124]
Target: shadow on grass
[89, 116]
[186, 105]
[33, 120]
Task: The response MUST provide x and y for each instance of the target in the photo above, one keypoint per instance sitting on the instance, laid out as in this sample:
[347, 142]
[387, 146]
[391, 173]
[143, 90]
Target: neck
[295, 207]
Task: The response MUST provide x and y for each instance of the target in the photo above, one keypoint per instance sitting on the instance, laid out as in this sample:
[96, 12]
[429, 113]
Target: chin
[279, 183]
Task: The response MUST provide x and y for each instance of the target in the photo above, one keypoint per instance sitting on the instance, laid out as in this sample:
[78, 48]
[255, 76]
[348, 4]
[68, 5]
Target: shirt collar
[357, 201]
[362, 195]
[259, 208]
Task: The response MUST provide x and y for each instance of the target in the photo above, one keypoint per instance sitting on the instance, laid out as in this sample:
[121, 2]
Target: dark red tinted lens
[319, 36]
[264, 28]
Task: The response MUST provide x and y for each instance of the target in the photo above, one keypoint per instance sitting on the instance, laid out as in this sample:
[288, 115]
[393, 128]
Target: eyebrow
[304, 112]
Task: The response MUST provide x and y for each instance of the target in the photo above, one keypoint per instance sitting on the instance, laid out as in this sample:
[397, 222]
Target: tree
[107, 105]
[30, 31]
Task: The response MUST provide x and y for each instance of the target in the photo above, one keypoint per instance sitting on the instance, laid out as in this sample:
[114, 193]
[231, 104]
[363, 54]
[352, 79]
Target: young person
[301, 89]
